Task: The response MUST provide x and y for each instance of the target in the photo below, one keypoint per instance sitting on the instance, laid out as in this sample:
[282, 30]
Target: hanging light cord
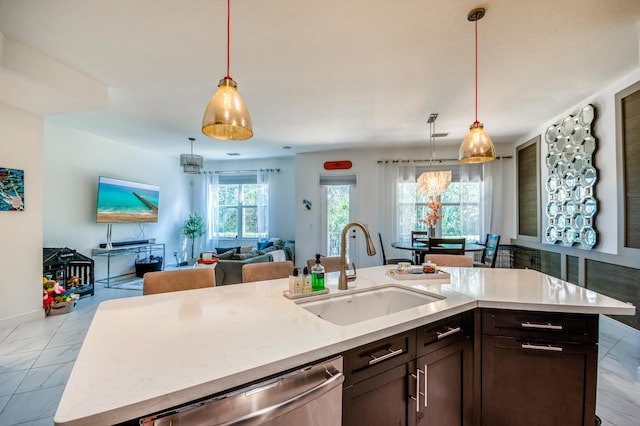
[476, 27]
[229, 37]
[432, 147]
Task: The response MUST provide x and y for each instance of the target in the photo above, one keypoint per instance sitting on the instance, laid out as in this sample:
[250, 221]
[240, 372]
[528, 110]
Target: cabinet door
[444, 381]
[380, 400]
[534, 383]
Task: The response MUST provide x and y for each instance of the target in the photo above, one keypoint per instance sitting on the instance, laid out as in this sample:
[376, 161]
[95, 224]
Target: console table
[137, 249]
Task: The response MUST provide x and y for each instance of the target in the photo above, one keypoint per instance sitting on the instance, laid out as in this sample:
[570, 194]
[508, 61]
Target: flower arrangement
[434, 216]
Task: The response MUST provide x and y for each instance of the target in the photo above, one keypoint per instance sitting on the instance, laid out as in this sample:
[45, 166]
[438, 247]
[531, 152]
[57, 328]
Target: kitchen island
[148, 353]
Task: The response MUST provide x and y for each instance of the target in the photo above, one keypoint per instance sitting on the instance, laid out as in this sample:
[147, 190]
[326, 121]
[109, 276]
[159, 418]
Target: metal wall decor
[571, 207]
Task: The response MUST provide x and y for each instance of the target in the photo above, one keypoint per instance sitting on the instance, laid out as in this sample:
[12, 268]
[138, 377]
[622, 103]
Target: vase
[432, 232]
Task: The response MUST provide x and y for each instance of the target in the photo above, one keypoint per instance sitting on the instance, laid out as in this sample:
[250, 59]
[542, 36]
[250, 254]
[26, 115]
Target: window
[240, 208]
[461, 208]
[338, 209]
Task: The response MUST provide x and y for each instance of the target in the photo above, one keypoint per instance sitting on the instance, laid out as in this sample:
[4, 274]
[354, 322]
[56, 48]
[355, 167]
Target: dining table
[420, 248]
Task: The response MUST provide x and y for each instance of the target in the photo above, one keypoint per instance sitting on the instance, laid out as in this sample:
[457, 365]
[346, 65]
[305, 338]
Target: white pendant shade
[226, 116]
[477, 146]
[434, 183]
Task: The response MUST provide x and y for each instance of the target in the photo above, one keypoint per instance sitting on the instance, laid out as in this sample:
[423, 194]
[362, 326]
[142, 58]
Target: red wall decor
[337, 165]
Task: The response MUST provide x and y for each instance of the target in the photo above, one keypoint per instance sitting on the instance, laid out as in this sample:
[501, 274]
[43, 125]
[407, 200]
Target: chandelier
[477, 146]
[434, 182]
[191, 163]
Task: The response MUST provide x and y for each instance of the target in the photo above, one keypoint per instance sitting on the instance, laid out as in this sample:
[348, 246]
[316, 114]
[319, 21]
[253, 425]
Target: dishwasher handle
[265, 414]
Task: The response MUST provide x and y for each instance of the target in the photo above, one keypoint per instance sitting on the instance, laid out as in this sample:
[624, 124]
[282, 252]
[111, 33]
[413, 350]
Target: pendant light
[191, 163]
[226, 116]
[477, 146]
[433, 183]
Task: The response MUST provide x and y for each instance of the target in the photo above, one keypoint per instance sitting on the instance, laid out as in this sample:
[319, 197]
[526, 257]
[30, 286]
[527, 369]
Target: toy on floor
[54, 295]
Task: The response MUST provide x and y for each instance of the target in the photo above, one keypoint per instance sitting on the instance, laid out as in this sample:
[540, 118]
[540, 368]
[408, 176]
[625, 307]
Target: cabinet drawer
[572, 328]
[447, 331]
[374, 358]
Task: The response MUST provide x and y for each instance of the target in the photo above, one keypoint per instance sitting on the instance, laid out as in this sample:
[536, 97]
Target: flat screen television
[125, 201]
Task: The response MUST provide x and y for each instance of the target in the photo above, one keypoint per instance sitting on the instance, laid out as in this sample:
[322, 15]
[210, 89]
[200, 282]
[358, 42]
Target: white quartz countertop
[148, 353]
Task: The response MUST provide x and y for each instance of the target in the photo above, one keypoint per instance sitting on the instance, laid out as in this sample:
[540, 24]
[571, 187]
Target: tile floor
[36, 359]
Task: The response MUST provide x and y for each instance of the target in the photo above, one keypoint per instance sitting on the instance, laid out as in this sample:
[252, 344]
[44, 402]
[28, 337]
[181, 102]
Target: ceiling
[330, 74]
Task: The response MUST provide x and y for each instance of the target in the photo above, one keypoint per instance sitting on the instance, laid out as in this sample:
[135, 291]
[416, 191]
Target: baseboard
[22, 318]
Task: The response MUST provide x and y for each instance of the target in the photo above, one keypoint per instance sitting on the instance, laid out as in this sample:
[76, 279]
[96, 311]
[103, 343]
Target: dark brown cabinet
[538, 368]
[422, 377]
[444, 373]
[376, 382]
[379, 400]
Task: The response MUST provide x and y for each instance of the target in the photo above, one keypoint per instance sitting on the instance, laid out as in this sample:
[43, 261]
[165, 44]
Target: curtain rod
[437, 161]
[230, 172]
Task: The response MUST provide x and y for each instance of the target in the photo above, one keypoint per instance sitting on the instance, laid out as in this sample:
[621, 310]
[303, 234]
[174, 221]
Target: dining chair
[450, 260]
[490, 252]
[393, 261]
[177, 280]
[266, 271]
[446, 245]
[330, 264]
[419, 237]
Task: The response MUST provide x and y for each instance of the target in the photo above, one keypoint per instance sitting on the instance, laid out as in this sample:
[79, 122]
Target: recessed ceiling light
[233, 154]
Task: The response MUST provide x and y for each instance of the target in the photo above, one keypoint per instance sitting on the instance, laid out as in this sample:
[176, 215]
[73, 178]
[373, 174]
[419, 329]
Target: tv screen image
[125, 201]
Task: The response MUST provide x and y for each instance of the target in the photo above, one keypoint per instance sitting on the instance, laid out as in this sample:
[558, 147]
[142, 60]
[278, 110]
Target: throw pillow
[227, 254]
[265, 245]
[244, 256]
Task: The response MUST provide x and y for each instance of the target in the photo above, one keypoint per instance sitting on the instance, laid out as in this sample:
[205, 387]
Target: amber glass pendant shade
[477, 146]
[226, 116]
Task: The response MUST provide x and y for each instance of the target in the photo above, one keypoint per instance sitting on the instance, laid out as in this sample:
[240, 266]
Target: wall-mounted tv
[125, 201]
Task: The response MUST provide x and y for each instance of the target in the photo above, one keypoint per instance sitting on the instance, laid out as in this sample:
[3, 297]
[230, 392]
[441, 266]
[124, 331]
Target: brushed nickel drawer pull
[426, 384]
[391, 354]
[541, 347]
[546, 326]
[418, 393]
[448, 333]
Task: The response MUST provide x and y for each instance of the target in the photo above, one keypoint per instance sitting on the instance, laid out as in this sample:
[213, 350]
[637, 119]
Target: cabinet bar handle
[426, 393]
[391, 354]
[448, 333]
[541, 347]
[546, 326]
[418, 393]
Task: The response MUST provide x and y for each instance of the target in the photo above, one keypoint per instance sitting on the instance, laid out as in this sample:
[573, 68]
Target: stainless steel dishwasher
[311, 395]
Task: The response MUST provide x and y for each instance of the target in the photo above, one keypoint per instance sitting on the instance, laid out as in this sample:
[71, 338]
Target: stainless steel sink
[361, 305]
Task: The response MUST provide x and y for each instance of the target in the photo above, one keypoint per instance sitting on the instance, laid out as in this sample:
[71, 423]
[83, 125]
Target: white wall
[21, 231]
[73, 162]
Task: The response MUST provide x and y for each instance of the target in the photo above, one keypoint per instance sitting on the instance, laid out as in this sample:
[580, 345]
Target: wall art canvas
[11, 189]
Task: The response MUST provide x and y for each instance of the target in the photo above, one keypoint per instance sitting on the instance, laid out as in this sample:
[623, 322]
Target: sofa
[230, 259]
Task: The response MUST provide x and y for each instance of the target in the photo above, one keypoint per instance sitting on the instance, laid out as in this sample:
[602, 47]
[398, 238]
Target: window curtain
[387, 184]
[266, 200]
[406, 200]
[494, 177]
[469, 225]
[206, 193]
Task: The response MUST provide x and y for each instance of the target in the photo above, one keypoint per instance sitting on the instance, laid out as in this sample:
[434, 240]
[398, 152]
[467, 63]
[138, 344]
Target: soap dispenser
[317, 275]
[306, 281]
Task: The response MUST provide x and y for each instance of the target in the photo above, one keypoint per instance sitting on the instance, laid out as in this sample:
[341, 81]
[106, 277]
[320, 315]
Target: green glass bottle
[317, 275]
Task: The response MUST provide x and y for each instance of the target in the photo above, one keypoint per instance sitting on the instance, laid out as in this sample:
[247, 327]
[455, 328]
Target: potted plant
[193, 228]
